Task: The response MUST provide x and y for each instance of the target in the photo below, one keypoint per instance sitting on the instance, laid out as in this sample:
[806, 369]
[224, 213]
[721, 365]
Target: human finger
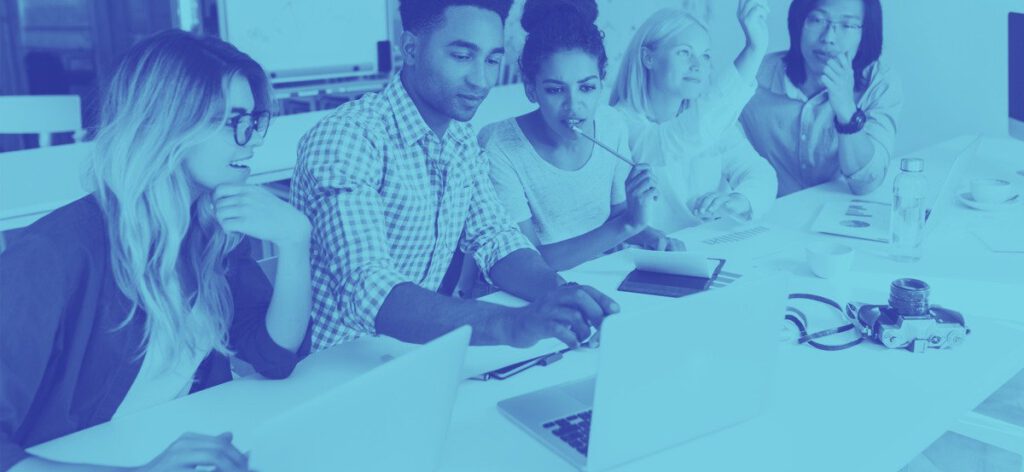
[607, 304]
[582, 301]
[228, 190]
[675, 245]
[562, 333]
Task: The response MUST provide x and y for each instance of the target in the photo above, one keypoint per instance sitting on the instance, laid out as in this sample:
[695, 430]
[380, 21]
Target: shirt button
[803, 137]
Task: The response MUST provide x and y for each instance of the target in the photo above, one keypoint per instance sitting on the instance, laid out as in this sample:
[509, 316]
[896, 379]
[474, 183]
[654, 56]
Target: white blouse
[702, 150]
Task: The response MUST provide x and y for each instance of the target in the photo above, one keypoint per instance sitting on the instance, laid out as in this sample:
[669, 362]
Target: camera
[909, 321]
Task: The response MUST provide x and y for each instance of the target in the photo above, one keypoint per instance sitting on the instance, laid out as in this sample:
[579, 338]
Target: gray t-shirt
[562, 204]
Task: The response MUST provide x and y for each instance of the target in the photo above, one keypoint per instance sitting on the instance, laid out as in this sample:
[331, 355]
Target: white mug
[828, 260]
[991, 190]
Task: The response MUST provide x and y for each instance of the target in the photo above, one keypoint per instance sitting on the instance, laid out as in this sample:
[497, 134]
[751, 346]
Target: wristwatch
[856, 123]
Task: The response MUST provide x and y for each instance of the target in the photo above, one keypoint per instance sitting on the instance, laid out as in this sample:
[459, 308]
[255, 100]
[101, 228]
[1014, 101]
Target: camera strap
[799, 319]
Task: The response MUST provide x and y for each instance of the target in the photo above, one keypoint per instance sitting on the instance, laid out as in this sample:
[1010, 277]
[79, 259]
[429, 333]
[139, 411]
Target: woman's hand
[196, 450]
[656, 240]
[254, 211]
[838, 80]
[753, 16]
[641, 191]
[715, 205]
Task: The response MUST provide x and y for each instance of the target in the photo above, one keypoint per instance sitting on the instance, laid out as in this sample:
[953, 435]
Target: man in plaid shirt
[393, 182]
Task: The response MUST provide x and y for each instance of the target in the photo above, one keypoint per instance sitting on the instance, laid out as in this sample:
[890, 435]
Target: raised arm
[753, 17]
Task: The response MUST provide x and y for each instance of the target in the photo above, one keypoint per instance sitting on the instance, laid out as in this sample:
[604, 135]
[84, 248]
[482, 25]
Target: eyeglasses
[245, 125]
[817, 24]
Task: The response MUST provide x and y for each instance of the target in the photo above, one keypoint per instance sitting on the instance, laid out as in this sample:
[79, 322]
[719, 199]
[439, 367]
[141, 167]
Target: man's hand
[838, 80]
[567, 313]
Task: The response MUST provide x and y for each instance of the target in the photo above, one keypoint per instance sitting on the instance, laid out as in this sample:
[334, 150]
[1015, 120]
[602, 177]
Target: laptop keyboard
[573, 430]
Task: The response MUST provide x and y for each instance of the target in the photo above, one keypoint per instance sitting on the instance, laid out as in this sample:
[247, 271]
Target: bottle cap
[912, 165]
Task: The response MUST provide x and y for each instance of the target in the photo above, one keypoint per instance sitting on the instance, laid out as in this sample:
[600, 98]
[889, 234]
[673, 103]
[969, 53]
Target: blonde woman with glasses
[683, 121]
[139, 292]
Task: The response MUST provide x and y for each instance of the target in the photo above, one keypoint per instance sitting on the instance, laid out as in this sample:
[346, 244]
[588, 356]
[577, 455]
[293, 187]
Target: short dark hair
[419, 16]
[560, 25]
[870, 44]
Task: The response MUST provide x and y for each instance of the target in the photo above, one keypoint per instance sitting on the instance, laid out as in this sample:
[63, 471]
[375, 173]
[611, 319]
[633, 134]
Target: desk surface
[866, 408]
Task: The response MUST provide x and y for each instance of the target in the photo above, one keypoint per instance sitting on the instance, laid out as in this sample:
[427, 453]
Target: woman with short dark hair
[827, 107]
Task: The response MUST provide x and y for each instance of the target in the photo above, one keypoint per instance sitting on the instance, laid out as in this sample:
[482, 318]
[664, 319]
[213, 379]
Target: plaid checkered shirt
[389, 201]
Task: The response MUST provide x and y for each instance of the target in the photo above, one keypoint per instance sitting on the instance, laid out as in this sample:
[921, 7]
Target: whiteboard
[302, 39]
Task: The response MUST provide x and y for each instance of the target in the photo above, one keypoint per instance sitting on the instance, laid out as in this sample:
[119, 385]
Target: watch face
[856, 123]
[859, 118]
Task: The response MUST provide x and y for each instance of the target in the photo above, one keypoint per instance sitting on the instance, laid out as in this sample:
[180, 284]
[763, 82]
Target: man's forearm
[856, 152]
[524, 273]
[414, 314]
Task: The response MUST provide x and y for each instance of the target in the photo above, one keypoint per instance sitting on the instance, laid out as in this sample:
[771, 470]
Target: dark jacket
[64, 364]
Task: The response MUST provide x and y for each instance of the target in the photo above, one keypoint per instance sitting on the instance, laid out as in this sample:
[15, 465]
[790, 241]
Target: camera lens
[909, 297]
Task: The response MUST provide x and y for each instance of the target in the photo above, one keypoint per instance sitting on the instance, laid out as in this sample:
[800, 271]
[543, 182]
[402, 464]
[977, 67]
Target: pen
[606, 148]
[503, 373]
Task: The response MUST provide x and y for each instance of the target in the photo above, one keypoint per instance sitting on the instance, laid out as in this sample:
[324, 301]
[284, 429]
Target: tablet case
[668, 285]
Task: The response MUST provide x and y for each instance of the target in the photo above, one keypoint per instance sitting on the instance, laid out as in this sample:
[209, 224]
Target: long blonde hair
[632, 84]
[168, 92]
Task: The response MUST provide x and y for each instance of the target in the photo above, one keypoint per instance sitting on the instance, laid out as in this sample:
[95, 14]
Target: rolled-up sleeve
[337, 185]
[882, 105]
[490, 233]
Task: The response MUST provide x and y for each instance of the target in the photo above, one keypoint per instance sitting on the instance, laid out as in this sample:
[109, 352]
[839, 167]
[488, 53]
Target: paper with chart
[855, 218]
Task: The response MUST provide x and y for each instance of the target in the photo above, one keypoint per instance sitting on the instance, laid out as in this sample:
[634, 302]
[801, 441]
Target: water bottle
[908, 211]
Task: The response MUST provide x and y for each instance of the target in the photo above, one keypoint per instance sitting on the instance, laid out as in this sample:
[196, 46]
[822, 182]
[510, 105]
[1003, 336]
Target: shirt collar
[411, 126]
[780, 82]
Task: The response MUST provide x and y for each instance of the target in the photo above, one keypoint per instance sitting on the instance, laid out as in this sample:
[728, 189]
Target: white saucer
[966, 198]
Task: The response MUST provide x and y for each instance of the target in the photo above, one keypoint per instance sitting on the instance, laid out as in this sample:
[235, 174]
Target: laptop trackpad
[581, 391]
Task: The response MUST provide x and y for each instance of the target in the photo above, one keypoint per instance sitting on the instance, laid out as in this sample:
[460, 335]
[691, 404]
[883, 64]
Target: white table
[863, 409]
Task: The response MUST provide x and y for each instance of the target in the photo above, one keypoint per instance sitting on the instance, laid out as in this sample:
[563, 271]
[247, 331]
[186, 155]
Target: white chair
[34, 182]
[42, 115]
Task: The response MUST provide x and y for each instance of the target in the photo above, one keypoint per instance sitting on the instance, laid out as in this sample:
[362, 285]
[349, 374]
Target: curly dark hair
[419, 16]
[560, 25]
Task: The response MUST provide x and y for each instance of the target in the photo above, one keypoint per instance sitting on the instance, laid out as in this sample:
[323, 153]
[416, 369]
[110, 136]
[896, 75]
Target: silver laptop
[393, 418]
[665, 376]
